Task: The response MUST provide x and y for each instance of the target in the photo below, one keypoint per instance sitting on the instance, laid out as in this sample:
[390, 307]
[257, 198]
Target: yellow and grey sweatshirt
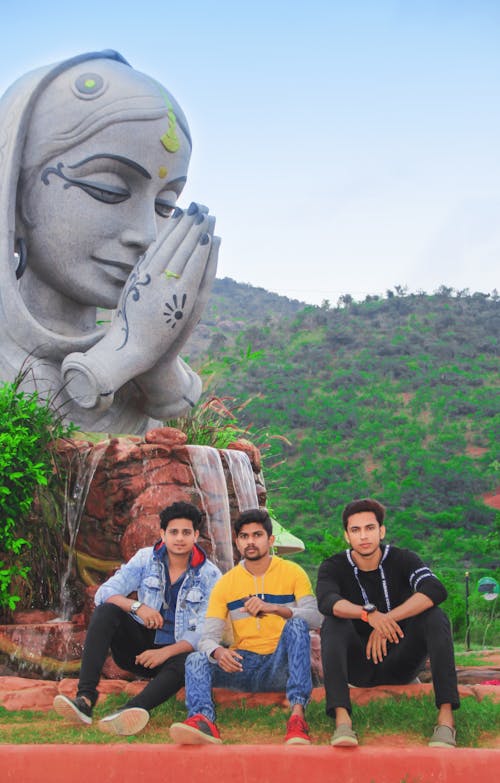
[284, 584]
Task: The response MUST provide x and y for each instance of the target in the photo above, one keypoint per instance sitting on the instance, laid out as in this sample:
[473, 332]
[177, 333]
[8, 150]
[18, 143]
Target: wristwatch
[367, 609]
[135, 606]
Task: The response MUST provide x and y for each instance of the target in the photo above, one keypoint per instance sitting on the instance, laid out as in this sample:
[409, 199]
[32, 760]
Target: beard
[254, 555]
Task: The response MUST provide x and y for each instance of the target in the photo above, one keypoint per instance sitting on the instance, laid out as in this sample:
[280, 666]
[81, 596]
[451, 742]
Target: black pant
[343, 652]
[111, 627]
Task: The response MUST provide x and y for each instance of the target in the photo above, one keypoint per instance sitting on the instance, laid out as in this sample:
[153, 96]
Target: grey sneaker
[443, 737]
[74, 710]
[344, 737]
[129, 720]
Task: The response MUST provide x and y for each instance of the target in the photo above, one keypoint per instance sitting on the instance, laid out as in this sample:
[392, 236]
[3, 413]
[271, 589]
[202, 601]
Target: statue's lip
[120, 265]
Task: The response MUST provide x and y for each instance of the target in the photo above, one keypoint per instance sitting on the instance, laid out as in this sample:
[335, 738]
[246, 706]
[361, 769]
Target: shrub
[28, 428]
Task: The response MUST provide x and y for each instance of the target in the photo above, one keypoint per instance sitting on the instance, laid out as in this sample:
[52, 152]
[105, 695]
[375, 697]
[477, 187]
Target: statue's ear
[21, 252]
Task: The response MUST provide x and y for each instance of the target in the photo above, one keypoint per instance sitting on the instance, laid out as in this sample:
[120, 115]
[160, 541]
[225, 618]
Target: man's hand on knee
[376, 647]
[150, 617]
[386, 626]
[150, 659]
[228, 660]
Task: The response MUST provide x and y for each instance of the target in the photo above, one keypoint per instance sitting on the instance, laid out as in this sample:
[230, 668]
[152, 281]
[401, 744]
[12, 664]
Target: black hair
[258, 515]
[180, 510]
[364, 504]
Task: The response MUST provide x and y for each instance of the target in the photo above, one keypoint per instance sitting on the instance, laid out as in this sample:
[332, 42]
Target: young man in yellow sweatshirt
[271, 608]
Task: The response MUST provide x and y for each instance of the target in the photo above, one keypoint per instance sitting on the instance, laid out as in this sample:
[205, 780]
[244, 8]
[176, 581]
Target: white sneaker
[130, 720]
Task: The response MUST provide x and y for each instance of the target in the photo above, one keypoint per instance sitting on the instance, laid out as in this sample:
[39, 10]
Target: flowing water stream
[243, 478]
[210, 481]
[80, 474]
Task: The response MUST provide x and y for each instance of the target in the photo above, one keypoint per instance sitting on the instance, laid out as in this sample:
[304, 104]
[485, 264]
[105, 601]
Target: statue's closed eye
[107, 193]
[164, 208]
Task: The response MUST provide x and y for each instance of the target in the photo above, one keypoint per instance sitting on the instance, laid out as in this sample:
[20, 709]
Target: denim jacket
[145, 573]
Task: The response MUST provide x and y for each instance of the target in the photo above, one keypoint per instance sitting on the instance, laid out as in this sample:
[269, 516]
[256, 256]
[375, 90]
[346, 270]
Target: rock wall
[134, 479]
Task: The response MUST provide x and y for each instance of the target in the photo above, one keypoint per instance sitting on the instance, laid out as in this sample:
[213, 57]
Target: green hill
[395, 397]
[232, 308]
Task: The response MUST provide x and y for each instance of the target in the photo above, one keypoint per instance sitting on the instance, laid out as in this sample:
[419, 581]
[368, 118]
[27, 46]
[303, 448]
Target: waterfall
[241, 472]
[75, 496]
[210, 481]
[240, 469]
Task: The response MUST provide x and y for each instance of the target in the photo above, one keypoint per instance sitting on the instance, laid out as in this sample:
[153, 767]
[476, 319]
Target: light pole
[467, 618]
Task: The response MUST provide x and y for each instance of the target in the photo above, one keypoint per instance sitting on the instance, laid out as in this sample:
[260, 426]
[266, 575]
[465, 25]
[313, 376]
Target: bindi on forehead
[162, 172]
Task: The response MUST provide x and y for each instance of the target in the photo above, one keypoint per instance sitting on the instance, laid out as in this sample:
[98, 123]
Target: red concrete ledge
[246, 763]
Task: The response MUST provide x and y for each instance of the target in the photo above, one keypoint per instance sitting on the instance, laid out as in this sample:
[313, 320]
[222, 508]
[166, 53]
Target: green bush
[28, 429]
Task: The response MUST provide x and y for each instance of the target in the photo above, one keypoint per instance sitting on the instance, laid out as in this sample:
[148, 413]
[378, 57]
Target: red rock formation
[133, 481]
[18, 693]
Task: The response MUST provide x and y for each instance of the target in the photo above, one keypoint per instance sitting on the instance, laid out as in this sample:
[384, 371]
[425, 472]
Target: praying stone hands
[159, 307]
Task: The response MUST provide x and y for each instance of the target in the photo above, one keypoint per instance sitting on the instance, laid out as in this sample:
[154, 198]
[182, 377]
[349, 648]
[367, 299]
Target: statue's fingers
[196, 237]
[200, 299]
[183, 309]
[206, 283]
[200, 265]
[179, 227]
[202, 224]
[172, 388]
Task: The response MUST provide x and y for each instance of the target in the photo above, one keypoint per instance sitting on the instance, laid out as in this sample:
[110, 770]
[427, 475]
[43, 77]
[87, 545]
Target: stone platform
[247, 763]
[256, 763]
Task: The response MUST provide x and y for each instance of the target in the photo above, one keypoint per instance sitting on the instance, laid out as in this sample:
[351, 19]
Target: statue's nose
[141, 234]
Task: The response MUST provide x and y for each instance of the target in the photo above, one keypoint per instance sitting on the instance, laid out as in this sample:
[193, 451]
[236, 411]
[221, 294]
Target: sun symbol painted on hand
[174, 312]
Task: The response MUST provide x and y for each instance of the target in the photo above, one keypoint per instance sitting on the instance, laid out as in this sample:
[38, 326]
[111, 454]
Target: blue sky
[345, 147]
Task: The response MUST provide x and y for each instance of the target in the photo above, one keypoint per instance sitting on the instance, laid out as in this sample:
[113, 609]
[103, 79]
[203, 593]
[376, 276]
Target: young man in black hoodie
[382, 620]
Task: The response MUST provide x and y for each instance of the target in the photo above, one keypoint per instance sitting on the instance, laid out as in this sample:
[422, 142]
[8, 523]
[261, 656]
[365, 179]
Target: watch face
[370, 608]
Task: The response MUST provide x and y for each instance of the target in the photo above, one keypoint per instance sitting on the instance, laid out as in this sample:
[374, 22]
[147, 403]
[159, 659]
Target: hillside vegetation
[233, 307]
[394, 397]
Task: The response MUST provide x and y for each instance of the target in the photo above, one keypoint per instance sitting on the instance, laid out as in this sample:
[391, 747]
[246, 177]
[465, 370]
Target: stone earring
[21, 251]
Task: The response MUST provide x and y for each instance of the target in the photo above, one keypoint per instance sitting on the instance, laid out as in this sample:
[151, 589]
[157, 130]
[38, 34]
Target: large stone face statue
[93, 157]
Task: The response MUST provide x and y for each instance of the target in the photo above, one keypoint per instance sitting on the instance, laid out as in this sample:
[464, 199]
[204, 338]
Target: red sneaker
[297, 731]
[196, 730]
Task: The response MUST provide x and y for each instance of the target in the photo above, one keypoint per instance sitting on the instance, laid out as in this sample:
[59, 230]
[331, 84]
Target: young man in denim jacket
[153, 635]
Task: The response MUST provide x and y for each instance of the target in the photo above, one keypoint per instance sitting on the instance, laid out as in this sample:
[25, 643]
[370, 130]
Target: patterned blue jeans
[287, 669]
